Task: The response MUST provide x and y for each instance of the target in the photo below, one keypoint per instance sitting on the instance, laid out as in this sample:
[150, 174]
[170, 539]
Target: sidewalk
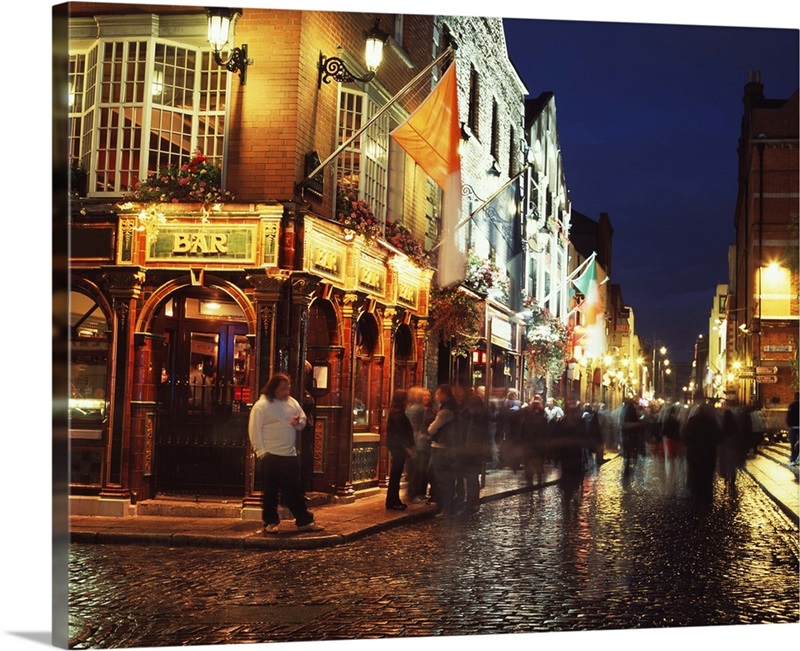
[770, 469]
[365, 516]
[343, 522]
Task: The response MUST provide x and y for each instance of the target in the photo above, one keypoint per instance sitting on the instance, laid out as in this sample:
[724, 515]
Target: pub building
[180, 312]
[302, 257]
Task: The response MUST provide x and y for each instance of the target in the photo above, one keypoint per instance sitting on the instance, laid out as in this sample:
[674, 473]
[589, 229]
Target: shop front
[175, 329]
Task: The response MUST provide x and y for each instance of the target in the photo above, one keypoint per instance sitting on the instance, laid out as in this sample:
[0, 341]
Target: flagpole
[578, 307]
[570, 277]
[301, 186]
[486, 203]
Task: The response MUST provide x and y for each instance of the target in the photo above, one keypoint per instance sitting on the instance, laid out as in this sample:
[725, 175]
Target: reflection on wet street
[622, 551]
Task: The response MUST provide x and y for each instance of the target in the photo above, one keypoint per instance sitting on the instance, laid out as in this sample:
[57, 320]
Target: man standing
[553, 411]
[275, 419]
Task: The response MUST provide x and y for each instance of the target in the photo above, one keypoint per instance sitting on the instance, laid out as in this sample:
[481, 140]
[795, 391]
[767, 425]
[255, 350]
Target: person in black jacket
[475, 448]
[400, 441]
[445, 438]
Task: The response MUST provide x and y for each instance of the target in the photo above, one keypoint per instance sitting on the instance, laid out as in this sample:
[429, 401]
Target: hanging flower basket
[403, 239]
[485, 277]
[456, 319]
[198, 181]
[546, 340]
[356, 215]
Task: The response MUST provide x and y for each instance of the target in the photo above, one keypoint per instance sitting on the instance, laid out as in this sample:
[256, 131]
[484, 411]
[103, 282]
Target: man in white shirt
[275, 419]
[553, 411]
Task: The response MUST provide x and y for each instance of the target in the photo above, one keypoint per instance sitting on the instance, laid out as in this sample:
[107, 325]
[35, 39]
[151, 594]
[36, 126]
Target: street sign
[766, 379]
[766, 370]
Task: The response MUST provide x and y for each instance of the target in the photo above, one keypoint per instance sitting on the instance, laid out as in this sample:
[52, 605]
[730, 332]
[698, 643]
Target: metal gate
[201, 433]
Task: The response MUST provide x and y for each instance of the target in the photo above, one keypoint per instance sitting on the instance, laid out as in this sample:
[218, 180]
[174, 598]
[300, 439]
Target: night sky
[649, 118]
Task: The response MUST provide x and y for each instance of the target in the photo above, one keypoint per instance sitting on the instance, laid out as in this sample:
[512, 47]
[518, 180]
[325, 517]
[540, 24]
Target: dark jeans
[282, 474]
[399, 457]
[793, 437]
[471, 471]
[444, 466]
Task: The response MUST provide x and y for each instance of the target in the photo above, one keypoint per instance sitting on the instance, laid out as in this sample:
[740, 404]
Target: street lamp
[334, 68]
[219, 25]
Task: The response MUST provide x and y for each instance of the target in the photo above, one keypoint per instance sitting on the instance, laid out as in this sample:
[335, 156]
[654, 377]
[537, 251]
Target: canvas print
[410, 326]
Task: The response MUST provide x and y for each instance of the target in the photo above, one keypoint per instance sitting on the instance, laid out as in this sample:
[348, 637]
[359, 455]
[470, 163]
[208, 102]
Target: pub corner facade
[177, 321]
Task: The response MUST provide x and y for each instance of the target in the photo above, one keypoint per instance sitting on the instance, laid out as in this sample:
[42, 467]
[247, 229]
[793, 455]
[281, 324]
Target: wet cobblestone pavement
[621, 555]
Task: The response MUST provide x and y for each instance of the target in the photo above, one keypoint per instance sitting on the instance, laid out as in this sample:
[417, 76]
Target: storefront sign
[407, 293]
[204, 242]
[371, 275]
[326, 257]
[787, 348]
[501, 333]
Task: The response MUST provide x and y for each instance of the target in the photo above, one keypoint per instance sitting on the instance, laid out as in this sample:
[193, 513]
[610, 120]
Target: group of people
[711, 440]
[442, 440]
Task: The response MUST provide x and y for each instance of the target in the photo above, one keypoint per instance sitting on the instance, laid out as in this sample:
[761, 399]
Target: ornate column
[266, 295]
[303, 288]
[421, 344]
[344, 442]
[389, 323]
[125, 286]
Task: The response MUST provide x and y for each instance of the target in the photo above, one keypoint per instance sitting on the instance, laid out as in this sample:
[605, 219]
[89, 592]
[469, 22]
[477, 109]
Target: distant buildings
[760, 311]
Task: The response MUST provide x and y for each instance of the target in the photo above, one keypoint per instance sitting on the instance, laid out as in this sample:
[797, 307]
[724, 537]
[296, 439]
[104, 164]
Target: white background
[26, 317]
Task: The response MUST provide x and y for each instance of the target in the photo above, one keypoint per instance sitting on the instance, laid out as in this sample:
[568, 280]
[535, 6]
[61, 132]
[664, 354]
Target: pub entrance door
[201, 432]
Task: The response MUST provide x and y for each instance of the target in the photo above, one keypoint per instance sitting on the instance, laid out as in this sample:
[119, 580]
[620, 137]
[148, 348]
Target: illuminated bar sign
[371, 275]
[325, 256]
[408, 293]
[203, 242]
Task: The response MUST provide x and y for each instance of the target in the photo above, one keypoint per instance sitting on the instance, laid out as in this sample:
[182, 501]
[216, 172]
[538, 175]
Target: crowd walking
[442, 443]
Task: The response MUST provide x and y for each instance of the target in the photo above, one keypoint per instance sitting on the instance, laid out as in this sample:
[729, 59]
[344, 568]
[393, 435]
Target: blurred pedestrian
[444, 435]
[701, 435]
[491, 411]
[275, 419]
[730, 449]
[534, 441]
[553, 410]
[793, 423]
[511, 452]
[594, 436]
[569, 441]
[401, 444]
[421, 413]
[757, 429]
[631, 435]
[475, 448]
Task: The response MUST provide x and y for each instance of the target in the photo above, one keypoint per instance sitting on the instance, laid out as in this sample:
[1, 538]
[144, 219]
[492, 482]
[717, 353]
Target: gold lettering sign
[199, 243]
[371, 275]
[222, 243]
[326, 260]
[325, 256]
[407, 295]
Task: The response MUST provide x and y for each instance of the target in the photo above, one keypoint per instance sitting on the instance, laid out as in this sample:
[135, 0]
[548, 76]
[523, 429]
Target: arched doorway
[207, 373]
[89, 382]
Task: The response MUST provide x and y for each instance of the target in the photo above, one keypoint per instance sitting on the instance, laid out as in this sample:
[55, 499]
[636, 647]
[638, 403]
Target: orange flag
[431, 136]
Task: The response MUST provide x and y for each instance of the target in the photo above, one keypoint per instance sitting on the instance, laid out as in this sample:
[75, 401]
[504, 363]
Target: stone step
[177, 508]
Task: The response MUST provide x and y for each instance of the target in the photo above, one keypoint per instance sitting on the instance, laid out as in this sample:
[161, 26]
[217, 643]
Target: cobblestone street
[621, 555]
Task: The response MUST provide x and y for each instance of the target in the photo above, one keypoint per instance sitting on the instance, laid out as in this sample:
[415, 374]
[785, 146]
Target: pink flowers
[198, 181]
